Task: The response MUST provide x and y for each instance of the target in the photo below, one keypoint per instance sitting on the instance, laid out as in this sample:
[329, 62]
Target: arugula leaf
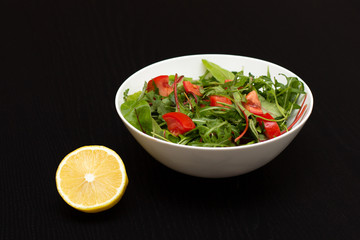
[291, 91]
[252, 126]
[218, 72]
[126, 92]
[216, 131]
[271, 108]
[137, 112]
[156, 128]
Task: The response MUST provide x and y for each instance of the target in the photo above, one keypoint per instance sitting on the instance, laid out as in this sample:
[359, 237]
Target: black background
[62, 63]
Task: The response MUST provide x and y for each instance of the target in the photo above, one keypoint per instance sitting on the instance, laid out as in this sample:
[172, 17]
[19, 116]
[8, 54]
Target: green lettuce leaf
[218, 72]
[137, 113]
[269, 107]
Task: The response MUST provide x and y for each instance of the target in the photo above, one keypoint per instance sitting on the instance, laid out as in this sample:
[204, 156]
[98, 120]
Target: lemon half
[91, 178]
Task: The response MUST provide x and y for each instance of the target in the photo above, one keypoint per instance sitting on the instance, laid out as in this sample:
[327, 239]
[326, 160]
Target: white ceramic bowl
[205, 161]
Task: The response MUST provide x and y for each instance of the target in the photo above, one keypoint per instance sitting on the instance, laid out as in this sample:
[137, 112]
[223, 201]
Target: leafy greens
[216, 126]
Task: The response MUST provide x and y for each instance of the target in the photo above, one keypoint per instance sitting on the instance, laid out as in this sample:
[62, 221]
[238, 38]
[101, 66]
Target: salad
[220, 109]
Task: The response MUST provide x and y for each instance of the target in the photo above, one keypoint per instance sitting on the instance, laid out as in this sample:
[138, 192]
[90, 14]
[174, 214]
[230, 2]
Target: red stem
[296, 119]
[188, 101]
[137, 116]
[196, 99]
[298, 115]
[301, 106]
[246, 128]
[176, 81]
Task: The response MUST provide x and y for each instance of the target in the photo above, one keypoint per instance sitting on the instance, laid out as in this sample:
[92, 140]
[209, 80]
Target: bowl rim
[298, 125]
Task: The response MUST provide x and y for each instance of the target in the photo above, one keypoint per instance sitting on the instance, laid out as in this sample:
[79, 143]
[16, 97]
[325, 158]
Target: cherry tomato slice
[150, 86]
[178, 123]
[162, 83]
[271, 128]
[215, 99]
[253, 104]
[192, 88]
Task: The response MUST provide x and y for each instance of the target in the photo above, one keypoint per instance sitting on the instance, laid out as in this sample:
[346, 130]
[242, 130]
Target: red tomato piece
[178, 123]
[253, 104]
[192, 88]
[150, 86]
[227, 80]
[162, 83]
[271, 128]
[215, 99]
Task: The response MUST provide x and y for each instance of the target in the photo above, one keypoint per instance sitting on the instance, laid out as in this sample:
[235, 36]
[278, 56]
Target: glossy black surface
[63, 62]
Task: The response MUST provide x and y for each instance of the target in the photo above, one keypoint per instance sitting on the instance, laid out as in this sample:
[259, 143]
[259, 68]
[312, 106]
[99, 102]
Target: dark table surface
[63, 62]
